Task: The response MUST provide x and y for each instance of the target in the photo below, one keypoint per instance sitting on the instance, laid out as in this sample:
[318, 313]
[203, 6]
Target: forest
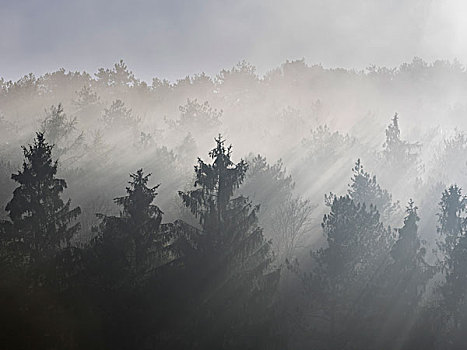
[306, 208]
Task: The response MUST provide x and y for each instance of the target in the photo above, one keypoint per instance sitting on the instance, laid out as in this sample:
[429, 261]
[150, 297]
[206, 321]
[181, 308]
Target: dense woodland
[309, 208]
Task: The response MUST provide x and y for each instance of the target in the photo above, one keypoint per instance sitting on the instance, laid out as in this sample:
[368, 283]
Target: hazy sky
[174, 38]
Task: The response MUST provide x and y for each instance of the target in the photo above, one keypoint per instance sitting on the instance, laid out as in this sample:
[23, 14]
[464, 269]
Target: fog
[233, 175]
[172, 39]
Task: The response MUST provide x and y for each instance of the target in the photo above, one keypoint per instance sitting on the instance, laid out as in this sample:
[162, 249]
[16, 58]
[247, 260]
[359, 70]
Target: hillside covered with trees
[307, 208]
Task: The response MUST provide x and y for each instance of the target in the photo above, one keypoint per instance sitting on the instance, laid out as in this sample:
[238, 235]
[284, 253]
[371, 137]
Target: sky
[174, 38]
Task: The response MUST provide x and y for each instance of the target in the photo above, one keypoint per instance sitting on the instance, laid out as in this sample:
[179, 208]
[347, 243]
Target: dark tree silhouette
[235, 260]
[136, 270]
[41, 220]
[135, 232]
[216, 184]
[38, 263]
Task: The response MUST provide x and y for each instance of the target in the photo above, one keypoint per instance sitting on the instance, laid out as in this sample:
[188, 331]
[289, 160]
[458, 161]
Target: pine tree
[339, 282]
[399, 155]
[451, 222]
[393, 137]
[216, 184]
[401, 287]
[134, 268]
[454, 302]
[453, 243]
[118, 116]
[38, 262]
[234, 265]
[41, 220]
[405, 251]
[365, 189]
[395, 149]
[134, 235]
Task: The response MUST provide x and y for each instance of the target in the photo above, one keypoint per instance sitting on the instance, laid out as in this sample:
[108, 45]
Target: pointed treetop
[139, 197]
[215, 185]
[365, 189]
[452, 205]
[220, 149]
[411, 210]
[40, 217]
[393, 132]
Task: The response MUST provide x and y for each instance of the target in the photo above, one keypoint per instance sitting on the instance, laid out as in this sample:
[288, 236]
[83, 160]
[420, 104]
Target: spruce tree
[396, 150]
[133, 236]
[365, 189]
[41, 220]
[39, 265]
[235, 279]
[453, 243]
[400, 288]
[402, 157]
[393, 143]
[127, 255]
[451, 221]
[215, 184]
[342, 273]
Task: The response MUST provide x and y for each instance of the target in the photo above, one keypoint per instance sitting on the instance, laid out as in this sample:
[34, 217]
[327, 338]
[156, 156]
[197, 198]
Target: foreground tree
[119, 77]
[215, 184]
[41, 220]
[125, 256]
[37, 262]
[134, 234]
[234, 265]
